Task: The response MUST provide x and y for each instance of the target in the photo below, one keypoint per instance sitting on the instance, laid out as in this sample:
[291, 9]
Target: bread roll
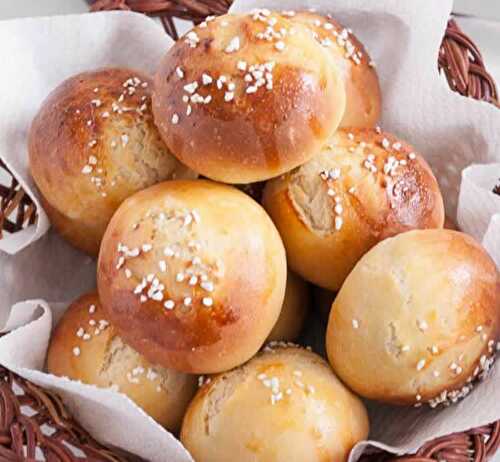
[86, 347]
[92, 144]
[363, 97]
[192, 274]
[417, 321]
[285, 405]
[361, 188]
[243, 98]
[294, 311]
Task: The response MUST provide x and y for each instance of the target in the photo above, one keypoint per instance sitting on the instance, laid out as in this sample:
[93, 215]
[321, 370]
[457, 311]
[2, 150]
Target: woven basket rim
[461, 62]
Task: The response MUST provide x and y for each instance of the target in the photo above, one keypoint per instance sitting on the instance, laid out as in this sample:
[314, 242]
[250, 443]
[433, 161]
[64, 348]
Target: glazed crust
[102, 359]
[328, 223]
[316, 419]
[417, 319]
[363, 95]
[219, 267]
[262, 127]
[92, 144]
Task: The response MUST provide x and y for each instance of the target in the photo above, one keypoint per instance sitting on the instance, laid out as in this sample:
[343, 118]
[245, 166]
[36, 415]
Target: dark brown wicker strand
[496, 189]
[463, 66]
[192, 10]
[462, 63]
[47, 426]
[476, 445]
[459, 58]
[17, 210]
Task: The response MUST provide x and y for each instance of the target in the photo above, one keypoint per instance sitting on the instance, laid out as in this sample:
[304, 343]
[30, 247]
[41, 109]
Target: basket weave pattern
[23, 435]
[462, 63]
[17, 210]
[34, 422]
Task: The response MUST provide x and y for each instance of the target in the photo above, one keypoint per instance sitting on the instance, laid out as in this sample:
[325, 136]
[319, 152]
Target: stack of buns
[195, 276]
[93, 144]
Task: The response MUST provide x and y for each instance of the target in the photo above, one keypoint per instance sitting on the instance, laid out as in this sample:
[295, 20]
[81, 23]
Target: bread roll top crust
[92, 144]
[284, 405]
[87, 348]
[363, 94]
[363, 186]
[243, 98]
[193, 275]
[417, 320]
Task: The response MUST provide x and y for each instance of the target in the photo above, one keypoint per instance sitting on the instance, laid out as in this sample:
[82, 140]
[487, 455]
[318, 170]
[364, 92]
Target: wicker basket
[48, 429]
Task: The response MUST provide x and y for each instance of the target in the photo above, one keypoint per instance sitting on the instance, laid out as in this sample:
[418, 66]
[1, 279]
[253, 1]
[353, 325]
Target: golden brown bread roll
[363, 97]
[294, 310]
[192, 274]
[243, 98]
[361, 188]
[285, 405]
[417, 320]
[85, 347]
[92, 144]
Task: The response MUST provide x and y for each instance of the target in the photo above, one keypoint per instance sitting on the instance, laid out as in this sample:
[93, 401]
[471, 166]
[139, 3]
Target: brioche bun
[92, 144]
[285, 405]
[361, 188]
[85, 347]
[417, 320]
[192, 274]
[243, 98]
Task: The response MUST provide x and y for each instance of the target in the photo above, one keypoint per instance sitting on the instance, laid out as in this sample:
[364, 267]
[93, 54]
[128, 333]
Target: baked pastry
[362, 187]
[294, 311]
[417, 321]
[192, 274]
[87, 348]
[363, 96]
[285, 405]
[243, 98]
[92, 144]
